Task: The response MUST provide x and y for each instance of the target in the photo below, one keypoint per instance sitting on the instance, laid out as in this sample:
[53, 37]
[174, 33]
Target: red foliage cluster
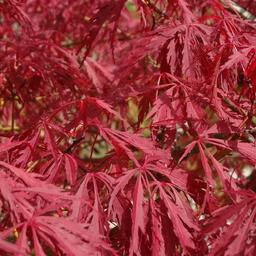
[127, 127]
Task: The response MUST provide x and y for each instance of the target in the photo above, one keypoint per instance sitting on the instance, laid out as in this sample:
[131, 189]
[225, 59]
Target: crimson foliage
[127, 127]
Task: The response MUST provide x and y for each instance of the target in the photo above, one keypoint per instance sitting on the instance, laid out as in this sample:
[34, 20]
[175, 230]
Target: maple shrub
[127, 127]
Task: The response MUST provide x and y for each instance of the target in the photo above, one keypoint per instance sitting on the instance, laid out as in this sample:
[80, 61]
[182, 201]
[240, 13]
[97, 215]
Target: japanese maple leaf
[233, 226]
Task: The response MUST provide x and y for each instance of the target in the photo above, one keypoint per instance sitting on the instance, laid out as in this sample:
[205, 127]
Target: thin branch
[74, 143]
[244, 13]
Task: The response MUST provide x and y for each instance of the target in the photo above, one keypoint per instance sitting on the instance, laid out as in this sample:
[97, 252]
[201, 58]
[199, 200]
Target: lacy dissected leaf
[71, 237]
[237, 223]
[109, 12]
[180, 220]
[124, 140]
